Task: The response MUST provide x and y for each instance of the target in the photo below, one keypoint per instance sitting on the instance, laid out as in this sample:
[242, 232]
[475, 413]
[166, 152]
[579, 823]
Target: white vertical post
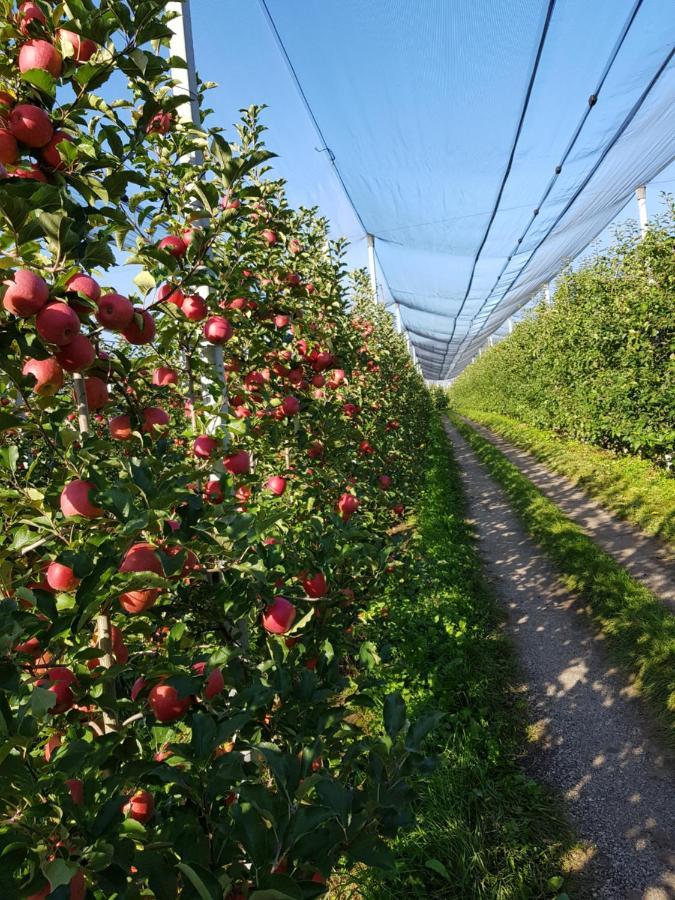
[510, 325]
[547, 293]
[181, 45]
[399, 326]
[641, 197]
[491, 341]
[371, 265]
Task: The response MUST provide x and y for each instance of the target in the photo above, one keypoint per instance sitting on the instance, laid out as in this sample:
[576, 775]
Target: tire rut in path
[648, 559]
[593, 741]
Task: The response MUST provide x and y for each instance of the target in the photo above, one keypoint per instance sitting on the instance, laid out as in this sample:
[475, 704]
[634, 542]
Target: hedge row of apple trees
[182, 664]
[598, 364]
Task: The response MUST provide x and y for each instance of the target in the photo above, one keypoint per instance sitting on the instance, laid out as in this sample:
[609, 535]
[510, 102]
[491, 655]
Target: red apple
[155, 420]
[57, 323]
[97, 393]
[76, 788]
[39, 54]
[48, 375]
[217, 330]
[205, 447]
[163, 375]
[215, 684]
[30, 12]
[270, 236]
[276, 485]
[213, 491]
[61, 577]
[50, 154]
[315, 586]
[347, 506]
[9, 150]
[140, 334]
[26, 294]
[78, 355]
[115, 312]
[290, 406]
[86, 285]
[195, 308]
[137, 687]
[279, 616]
[140, 558]
[82, 48]
[238, 463]
[385, 482]
[166, 704]
[169, 294]
[75, 500]
[281, 321]
[141, 807]
[174, 245]
[120, 428]
[160, 123]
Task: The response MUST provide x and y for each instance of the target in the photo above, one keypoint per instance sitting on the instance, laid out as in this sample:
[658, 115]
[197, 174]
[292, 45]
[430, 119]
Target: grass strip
[484, 829]
[635, 489]
[638, 628]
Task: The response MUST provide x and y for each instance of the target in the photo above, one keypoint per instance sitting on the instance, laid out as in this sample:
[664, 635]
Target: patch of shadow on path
[593, 743]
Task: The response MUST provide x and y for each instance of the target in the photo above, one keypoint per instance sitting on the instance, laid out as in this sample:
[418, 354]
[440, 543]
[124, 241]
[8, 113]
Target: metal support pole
[399, 325]
[510, 325]
[372, 266]
[491, 341]
[547, 293]
[641, 197]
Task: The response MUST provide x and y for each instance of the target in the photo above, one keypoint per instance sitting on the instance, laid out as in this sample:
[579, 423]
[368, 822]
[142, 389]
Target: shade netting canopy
[483, 143]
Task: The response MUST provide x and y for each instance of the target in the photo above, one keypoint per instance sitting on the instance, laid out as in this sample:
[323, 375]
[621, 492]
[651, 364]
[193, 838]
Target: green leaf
[41, 701]
[58, 872]
[197, 882]
[145, 281]
[394, 714]
[271, 894]
[9, 420]
[41, 79]
[9, 456]
[436, 866]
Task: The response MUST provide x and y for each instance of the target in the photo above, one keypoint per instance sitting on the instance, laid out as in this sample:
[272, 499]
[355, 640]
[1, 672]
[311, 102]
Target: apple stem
[103, 626]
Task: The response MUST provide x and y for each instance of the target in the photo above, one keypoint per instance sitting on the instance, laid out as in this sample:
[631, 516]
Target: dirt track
[592, 743]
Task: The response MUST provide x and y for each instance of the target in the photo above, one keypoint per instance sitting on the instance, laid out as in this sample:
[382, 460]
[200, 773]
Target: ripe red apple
[166, 704]
[276, 485]
[26, 294]
[50, 152]
[281, 321]
[82, 48]
[155, 421]
[195, 308]
[31, 648]
[217, 330]
[59, 680]
[205, 446]
[169, 294]
[140, 558]
[238, 463]
[115, 312]
[48, 375]
[213, 491]
[76, 788]
[385, 482]
[347, 506]
[78, 355]
[137, 687]
[57, 323]
[61, 577]
[75, 500]
[140, 334]
[174, 245]
[279, 616]
[39, 54]
[290, 406]
[160, 123]
[140, 807]
[270, 236]
[215, 684]
[97, 393]
[163, 375]
[315, 586]
[30, 12]
[120, 428]
[316, 450]
[9, 150]
[34, 173]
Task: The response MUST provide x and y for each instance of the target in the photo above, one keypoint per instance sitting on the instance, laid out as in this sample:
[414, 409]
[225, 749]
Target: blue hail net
[483, 143]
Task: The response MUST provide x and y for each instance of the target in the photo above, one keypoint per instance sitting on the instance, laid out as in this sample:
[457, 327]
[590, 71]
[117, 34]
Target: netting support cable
[615, 138]
[505, 176]
[592, 101]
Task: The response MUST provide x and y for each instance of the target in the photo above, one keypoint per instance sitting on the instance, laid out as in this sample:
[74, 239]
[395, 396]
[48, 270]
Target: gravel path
[647, 558]
[593, 744]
